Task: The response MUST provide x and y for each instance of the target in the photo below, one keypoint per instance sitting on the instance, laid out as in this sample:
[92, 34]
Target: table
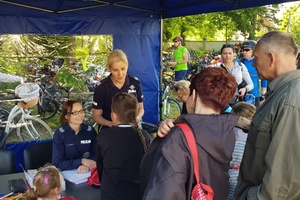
[81, 191]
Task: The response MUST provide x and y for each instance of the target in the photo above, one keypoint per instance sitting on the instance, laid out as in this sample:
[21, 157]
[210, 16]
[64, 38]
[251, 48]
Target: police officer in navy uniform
[74, 143]
[118, 81]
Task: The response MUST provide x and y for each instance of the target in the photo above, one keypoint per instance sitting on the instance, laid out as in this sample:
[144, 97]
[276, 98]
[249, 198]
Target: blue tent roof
[134, 24]
[124, 8]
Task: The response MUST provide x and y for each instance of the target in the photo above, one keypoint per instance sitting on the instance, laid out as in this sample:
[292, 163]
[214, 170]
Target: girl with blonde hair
[46, 185]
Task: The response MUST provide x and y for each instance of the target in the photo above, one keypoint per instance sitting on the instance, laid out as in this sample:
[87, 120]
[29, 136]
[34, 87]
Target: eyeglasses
[247, 50]
[175, 41]
[77, 112]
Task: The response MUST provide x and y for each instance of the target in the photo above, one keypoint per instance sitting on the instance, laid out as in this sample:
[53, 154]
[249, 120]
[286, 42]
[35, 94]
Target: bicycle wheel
[49, 109]
[3, 118]
[89, 114]
[171, 109]
[34, 129]
[10, 128]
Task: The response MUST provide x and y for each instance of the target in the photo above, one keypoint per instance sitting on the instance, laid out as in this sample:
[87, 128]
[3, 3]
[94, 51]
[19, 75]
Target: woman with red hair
[171, 176]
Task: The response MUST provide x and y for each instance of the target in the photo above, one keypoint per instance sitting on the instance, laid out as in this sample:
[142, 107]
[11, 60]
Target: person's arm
[100, 95]
[140, 98]
[282, 160]
[264, 85]
[97, 116]
[247, 79]
[7, 78]
[58, 154]
[185, 60]
[164, 127]
[140, 112]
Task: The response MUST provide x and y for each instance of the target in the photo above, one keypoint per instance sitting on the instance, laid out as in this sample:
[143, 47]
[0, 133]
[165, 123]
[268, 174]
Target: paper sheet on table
[31, 174]
[74, 177]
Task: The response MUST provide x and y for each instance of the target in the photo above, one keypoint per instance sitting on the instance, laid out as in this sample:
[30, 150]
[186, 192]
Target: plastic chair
[7, 161]
[37, 155]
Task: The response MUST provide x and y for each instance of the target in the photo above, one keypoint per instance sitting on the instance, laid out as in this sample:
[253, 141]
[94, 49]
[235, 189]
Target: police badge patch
[132, 89]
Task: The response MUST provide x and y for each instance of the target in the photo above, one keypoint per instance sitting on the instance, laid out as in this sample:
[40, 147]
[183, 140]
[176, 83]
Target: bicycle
[170, 107]
[51, 95]
[27, 127]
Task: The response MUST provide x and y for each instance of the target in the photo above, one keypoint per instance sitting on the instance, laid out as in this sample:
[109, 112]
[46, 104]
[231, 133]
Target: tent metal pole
[134, 8]
[81, 8]
[161, 69]
[27, 6]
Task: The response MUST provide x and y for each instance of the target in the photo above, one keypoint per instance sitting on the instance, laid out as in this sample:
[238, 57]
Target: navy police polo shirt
[105, 90]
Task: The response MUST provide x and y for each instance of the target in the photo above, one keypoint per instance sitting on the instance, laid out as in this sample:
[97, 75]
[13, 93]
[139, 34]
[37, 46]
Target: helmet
[248, 44]
[177, 38]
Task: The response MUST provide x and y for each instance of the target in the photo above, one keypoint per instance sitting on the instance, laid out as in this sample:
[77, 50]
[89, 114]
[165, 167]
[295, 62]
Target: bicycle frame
[165, 96]
[169, 105]
[28, 127]
[15, 112]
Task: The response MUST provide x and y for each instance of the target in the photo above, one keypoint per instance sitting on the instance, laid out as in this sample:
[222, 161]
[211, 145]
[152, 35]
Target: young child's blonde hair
[244, 109]
[44, 183]
[181, 88]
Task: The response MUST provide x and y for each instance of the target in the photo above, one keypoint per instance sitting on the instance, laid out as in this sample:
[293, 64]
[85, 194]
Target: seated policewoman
[171, 175]
[74, 143]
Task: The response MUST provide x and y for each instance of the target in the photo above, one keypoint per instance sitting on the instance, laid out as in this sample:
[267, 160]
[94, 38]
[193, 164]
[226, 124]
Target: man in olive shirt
[271, 161]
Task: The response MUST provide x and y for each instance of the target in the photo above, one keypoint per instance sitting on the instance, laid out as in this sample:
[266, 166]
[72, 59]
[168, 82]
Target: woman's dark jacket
[171, 175]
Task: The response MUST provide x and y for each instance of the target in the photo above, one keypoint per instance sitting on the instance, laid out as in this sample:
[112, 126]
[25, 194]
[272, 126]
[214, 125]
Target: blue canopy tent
[134, 24]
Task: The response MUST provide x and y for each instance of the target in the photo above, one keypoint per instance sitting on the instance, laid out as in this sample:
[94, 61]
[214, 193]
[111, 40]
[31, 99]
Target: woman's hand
[242, 92]
[88, 163]
[243, 123]
[165, 127]
[82, 169]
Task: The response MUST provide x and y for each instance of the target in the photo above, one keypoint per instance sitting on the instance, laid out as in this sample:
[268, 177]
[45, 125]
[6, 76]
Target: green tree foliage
[290, 22]
[250, 22]
[21, 53]
[12, 54]
[199, 27]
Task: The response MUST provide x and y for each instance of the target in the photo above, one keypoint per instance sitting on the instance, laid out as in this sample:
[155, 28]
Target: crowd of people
[246, 152]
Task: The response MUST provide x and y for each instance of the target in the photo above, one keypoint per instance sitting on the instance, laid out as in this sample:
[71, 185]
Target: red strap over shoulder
[192, 145]
[197, 193]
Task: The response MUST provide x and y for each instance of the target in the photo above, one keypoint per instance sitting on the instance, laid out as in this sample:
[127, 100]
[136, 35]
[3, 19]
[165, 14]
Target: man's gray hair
[279, 42]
